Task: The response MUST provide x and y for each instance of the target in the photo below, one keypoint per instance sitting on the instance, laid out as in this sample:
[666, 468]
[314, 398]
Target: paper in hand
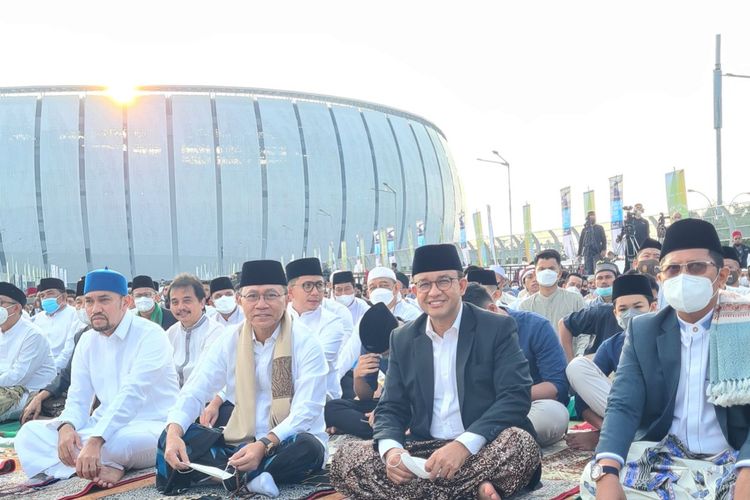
[211, 471]
[415, 465]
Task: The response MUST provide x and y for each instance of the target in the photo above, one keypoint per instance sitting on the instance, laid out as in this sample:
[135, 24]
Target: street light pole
[710, 203]
[389, 189]
[505, 163]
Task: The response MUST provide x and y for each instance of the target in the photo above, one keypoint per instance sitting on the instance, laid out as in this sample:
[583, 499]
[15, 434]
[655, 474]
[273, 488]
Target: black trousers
[348, 416]
[347, 386]
[294, 459]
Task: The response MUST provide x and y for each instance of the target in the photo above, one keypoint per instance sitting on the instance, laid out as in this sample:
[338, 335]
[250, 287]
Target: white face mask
[744, 281]
[574, 289]
[381, 295]
[688, 294]
[225, 304]
[345, 299]
[144, 304]
[4, 315]
[82, 316]
[546, 277]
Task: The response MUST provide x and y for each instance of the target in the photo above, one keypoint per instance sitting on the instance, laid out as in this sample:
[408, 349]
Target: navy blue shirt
[607, 358]
[597, 320]
[542, 349]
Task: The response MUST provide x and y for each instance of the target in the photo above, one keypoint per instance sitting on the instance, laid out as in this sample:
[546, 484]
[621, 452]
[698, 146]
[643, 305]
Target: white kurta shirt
[446, 410]
[217, 371]
[25, 357]
[405, 311]
[131, 372]
[60, 328]
[342, 312]
[234, 319]
[189, 344]
[330, 332]
[694, 420]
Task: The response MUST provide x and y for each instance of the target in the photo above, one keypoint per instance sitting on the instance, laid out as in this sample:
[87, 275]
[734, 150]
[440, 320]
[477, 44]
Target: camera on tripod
[628, 228]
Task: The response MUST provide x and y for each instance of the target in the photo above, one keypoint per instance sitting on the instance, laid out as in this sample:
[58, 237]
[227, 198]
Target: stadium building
[186, 178]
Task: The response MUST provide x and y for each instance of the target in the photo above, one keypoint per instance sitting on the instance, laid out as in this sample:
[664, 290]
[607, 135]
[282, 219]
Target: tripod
[627, 235]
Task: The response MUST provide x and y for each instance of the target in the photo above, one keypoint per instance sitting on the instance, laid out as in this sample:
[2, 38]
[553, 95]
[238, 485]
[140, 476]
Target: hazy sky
[570, 93]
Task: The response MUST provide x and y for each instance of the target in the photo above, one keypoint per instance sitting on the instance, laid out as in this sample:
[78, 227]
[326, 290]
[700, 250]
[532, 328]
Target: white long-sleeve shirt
[131, 373]
[342, 312]
[236, 318]
[694, 420]
[330, 333]
[189, 344]
[60, 329]
[217, 371]
[405, 311]
[358, 308]
[25, 357]
[446, 411]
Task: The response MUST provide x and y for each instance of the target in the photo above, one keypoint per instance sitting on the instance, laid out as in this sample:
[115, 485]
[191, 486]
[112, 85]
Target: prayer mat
[9, 429]
[8, 460]
[132, 480]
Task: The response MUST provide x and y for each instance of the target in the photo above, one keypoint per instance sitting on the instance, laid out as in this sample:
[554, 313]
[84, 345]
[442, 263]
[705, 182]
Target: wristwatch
[270, 445]
[598, 471]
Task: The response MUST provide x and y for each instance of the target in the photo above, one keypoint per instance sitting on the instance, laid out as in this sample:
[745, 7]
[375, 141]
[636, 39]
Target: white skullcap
[499, 270]
[380, 272]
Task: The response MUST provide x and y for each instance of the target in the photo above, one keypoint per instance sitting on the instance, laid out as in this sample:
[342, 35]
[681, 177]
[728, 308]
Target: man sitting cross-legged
[458, 380]
[274, 370]
[632, 295]
[354, 416]
[127, 363]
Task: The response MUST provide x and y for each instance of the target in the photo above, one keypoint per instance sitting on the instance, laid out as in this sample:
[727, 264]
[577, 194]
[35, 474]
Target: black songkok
[730, 253]
[219, 284]
[340, 277]
[442, 257]
[375, 328]
[687, 234]
[262, 272]
[631, 284]
[12, 291]
[309, 266]
[482, 276]
[143, 281]
[51, 284]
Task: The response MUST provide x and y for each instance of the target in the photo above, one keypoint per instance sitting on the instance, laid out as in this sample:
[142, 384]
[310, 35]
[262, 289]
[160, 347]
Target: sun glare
[123, 94]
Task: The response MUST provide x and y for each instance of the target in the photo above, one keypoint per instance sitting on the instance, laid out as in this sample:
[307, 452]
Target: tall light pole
[718, 118]
[502, 161]
[389, 189]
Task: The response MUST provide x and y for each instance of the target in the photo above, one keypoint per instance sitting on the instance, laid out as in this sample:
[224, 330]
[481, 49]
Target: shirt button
[695, 329]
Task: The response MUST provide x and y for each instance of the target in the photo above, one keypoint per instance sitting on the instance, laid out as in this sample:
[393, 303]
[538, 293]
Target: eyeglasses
[695, 268]
[443, 284]
[254, 298]
[307, 286]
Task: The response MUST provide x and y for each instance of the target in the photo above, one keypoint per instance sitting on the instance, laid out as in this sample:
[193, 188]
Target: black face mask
[734, 278]
[648, 266]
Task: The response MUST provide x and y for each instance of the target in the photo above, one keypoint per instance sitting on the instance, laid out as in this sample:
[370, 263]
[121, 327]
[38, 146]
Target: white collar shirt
[189, 344]
[131, 373]
[406, 311]
[234, 319]
[217, 371]
[329, 329]
[60, 329]
[694, 421]
[25, 357]
[446, 410]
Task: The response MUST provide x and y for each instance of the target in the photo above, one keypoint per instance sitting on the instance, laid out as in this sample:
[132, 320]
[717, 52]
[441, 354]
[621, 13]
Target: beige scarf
[241, 425]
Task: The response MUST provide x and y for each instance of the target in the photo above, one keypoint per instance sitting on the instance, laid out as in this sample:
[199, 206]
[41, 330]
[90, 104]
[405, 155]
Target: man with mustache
[126, 362]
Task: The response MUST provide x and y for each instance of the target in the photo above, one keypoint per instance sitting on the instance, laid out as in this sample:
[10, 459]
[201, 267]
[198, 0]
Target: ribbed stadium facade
[186, 178]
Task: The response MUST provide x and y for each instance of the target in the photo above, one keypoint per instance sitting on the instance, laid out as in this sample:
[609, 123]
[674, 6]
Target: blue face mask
[50, 305]
[604, 292]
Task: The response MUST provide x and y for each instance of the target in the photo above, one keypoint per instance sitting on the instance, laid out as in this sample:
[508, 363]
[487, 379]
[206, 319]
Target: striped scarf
[729, 351]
